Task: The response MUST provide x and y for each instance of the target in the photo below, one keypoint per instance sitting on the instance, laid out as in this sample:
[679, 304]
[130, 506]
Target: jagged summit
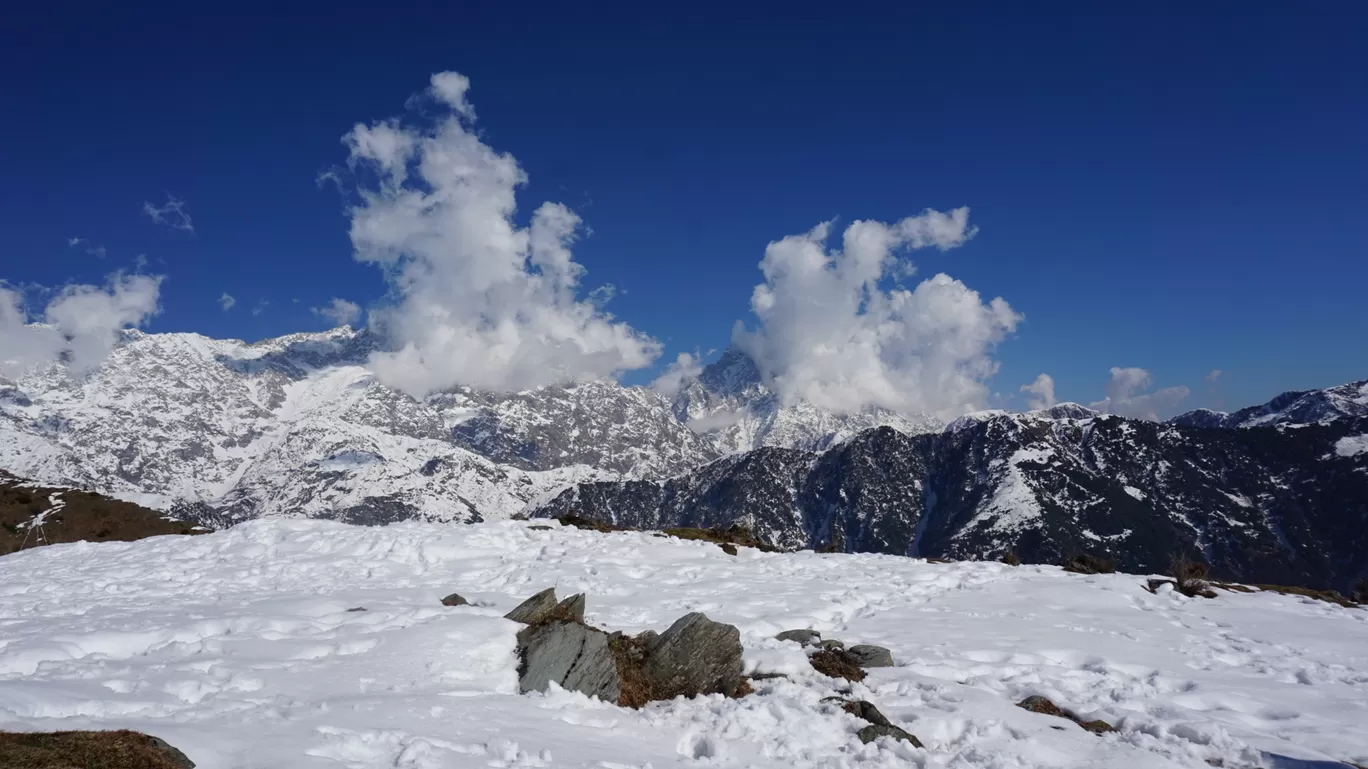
[1296, 407]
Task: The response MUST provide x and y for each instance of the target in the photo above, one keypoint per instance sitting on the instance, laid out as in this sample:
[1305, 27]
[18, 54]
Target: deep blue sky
[1182, 188]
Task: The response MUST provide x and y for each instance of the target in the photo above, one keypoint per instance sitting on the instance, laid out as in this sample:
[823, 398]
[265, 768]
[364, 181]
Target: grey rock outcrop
[803, 637]
[875, 731]
[573, 655]
[868, 656]
[455, 600]
[534, 609]
[695, 656]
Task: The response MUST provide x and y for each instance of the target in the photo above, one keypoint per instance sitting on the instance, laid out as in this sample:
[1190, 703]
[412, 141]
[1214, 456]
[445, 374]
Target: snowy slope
[730, 404]
[237, 647]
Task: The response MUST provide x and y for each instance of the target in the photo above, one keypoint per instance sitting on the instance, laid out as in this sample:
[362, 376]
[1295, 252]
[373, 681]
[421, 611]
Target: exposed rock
[695, 656]
[356, 608]
[875, 731]
[63, 750]
[455, 599]
[804, 637]
[837, 663]
[862, 710]
[1089, 564]
[573, 655]
[571, 608]
[534, 609]
[1043, 706]
[831, 643]
[867, 656]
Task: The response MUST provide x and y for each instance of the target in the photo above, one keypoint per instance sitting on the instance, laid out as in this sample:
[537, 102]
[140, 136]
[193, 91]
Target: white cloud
[260, 306]
[480, 300]
[99, 252]
[172, 214]
[1125, 397]
[1044, 390]
[830, 334]
[1214, 376]
[226, 301]
[684, 368]
[80, 325]
[340, 312]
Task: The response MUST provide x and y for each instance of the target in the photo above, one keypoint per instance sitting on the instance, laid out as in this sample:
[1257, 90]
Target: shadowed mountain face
[1282, 505]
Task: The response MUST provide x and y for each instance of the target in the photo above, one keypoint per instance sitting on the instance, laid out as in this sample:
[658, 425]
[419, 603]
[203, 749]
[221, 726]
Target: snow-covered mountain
[1291, 408]
[729, 403]
[1270, 504]
[226, 431]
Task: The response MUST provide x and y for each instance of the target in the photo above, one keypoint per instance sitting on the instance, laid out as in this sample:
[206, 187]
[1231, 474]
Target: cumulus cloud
[79, 325]
[1125, 396]
[831, 334]
[1043, 389]
[685, 367]
[340, 312]
[226, 301]
[479, 299]
[1214, 376]
[171, 213]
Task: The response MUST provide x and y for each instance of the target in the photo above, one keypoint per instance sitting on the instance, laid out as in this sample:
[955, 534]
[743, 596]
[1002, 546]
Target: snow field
[238, 648]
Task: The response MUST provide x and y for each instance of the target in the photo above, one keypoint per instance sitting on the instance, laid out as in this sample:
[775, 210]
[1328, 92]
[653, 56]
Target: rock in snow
[535, 609]
[236, 647]
[573, 655]
[695, 656]
[869, 656]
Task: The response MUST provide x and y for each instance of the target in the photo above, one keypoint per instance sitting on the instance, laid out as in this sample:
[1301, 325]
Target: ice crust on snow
[237, 647]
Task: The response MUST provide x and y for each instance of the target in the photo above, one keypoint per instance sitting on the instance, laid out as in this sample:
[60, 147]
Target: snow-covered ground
[237, 647]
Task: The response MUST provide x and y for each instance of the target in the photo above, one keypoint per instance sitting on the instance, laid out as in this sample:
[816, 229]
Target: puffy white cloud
[340, 312]
[684, 368]
[479, 299]
[79, 325]
[831, 334]
[1043, 389]
[1124, 396]
[172, 214]
[226, 301]
[1214, 376]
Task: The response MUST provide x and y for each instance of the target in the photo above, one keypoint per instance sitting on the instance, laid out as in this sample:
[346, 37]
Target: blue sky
[1180, 189]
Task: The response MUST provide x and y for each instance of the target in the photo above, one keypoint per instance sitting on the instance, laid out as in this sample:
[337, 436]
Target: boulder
[805, 637]
[573, 655]
[837, 663]
[695, 656]
[875, 731]
[455, 600]
[867, 656]
[62, 750]
[571, 608]
[534, 609]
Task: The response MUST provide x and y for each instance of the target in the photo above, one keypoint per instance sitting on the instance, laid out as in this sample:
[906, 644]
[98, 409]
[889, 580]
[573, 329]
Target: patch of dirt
[588, 524]
[1329, 596]
[735, 535]
[88, 750]
[67, 515]
[1043, 706]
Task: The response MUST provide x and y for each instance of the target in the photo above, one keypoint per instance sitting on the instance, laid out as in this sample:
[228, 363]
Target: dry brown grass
[629, 652]
[1086, 563]
[85, 517]
[587, 523]
[1011, 559]
[1329, 596]
[1190, 577]
[837, 664]
[87, 750]
[734, 535]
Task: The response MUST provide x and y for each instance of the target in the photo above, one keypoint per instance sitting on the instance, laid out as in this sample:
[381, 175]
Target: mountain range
[220, 431]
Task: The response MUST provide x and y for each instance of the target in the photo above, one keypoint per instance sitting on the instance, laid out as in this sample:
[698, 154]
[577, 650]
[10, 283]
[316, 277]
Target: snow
[1352, 446]
[237, 647]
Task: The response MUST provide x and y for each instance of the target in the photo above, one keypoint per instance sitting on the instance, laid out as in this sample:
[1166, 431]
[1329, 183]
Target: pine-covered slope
[1264, 504]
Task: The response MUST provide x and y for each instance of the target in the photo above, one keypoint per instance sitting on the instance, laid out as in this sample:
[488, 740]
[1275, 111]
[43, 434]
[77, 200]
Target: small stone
[729, 548]
[836, 663]
[455, 600]
[1042, 705]
[875, 731]
[573, 655]
[357, 608]
[866, 711]
[806, 637]
[534, 609]
[831, 644]
[1096, 727]
[871, 656]
[695, 656]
